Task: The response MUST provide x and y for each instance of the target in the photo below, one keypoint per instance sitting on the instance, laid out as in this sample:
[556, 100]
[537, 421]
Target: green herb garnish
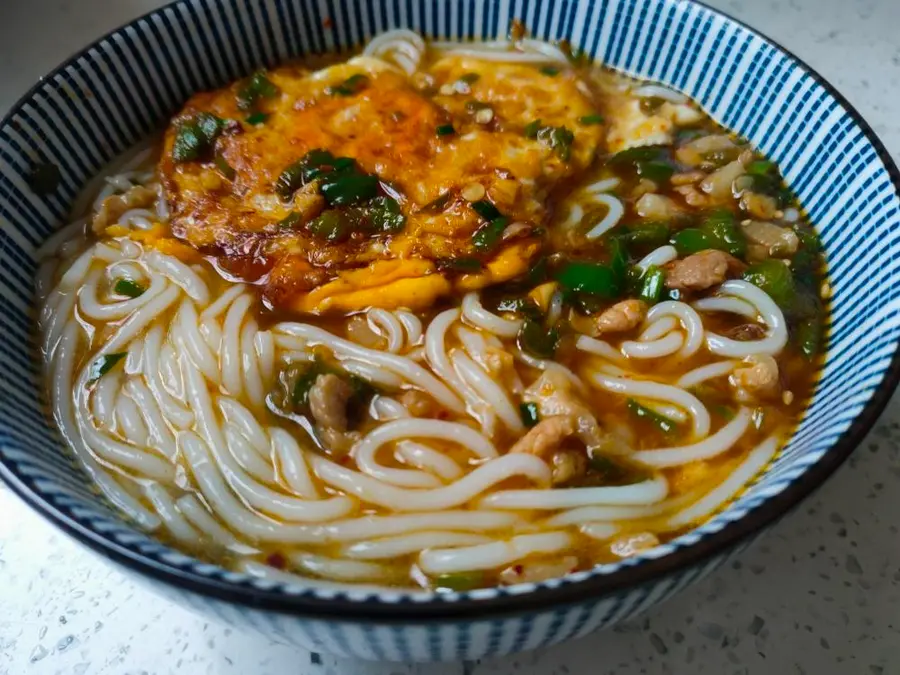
[536, 340]
[459, 581]
[129, 288]
[661, 422]
[531, 129]
[195, 137]
[256, 118]
[385, 215]
[486, 209]
[254, 88]
[349, 87]
[104, 364]
[445, 130]
[550, 70]
[224, 167]
[529, 414]
[465, 265]
[331, 226]
[587, 120]
[488, 236]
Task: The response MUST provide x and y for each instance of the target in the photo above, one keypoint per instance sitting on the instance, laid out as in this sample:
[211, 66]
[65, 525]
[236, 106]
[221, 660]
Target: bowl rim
[464, 607]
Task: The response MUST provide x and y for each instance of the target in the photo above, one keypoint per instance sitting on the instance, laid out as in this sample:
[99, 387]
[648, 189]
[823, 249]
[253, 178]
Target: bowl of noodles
[427, 332]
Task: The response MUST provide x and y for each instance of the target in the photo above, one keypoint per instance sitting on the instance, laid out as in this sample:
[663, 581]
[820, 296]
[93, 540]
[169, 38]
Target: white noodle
[708, 372]
[175, 522]
[659, 392]
[474, 313]
[614, 213]
[716, 444]
[481, 478]
[658, 258]
[736, 480]
[770, 313]
[415, 542]
[341, 570]
[647, 492]
[493, 555]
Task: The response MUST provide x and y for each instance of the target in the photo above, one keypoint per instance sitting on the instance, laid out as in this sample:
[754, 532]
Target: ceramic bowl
[125, 86]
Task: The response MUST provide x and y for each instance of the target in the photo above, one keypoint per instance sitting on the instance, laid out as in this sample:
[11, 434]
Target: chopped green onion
[609, 472]
[129, 288]
[224, 167]
[445, 130]
[808, 336]
[438, 204]
[195, 136]
[534, 339]
[290, 221]
[592, 278]
[550, 70]
[104, 364]
[352, 85]
[723, 411]
[650, 162]
[643, 153]
[773, 277]
[465, 265]
[256, 118]
[531, 129]
[303, 384]
[470, 78]
[486, 209]
[529, 414]
[385, 215]
[342, 188]
[44, 178]
[661, 422]
[330, 226]
[459, 581]
[254, 88]
[656, 171]
[760, 167]
[559, 139]
[587, 120]
[488, 236]
[653, 285]
[312, 165]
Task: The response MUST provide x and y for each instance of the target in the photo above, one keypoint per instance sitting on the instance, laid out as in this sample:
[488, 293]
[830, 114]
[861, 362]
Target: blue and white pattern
[125, 86]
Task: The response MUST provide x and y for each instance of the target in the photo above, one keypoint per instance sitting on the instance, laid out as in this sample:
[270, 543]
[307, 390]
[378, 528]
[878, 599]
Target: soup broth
[442, 316]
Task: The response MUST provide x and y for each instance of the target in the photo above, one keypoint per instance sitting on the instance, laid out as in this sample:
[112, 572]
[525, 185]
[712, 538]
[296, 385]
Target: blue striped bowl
[125, 86]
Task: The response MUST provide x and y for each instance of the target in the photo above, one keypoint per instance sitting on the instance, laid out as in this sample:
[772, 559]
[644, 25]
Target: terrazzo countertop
[820, 595]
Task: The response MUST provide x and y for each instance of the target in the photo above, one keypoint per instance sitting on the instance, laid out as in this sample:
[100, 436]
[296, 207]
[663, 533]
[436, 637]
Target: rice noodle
[716, 444]
[768, 311]
[495, 554]
[737, 479]
[659, 392]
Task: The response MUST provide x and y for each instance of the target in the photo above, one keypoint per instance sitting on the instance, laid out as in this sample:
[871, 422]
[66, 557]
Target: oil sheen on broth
[442, 316]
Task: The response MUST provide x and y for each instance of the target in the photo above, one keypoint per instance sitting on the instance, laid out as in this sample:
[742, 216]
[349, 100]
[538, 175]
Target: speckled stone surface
[819, 596]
